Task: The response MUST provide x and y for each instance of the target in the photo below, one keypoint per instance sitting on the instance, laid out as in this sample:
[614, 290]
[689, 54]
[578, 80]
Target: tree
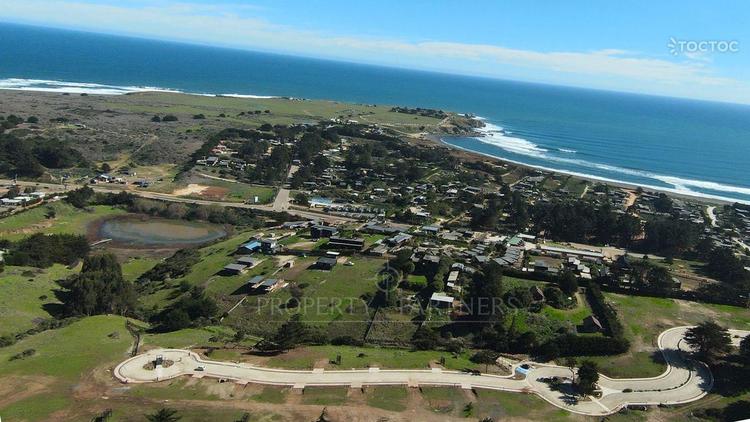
[164, 414]
[745, 348]
[106, 168]
[709, 340]
[588, 376]
[484, 357]
[99, 288]
[302, 199]
[424, 339]
[568, 283]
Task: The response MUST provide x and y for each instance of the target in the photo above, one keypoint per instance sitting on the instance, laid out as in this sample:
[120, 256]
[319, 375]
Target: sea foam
[43, 85]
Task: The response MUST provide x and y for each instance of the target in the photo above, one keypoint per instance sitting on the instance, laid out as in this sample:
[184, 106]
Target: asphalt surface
[684, 380]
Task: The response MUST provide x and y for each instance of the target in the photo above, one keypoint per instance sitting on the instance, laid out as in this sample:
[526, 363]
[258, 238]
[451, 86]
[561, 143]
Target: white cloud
[233, 25]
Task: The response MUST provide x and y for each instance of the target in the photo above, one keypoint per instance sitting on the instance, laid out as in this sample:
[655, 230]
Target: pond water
[157, 232]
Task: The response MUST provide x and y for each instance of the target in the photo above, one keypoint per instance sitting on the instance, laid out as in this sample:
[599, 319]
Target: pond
[144, 231]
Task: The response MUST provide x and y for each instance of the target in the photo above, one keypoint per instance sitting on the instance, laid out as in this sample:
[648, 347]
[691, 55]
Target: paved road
[683, 381]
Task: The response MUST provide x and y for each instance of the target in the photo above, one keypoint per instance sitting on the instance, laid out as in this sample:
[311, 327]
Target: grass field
[325, 396]
[67, 220]
[501, 405]
[68, 352]
[23, 293]
[364, 357]
[133, 267]
[645, 318]
[282, 111]
[393, 398]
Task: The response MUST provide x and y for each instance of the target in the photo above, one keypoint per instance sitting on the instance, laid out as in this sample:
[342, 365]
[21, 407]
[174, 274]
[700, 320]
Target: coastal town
[352, 240]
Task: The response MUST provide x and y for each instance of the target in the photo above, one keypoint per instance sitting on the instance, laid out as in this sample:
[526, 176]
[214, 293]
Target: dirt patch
[191, 189]
[15, 388]
[214, 193]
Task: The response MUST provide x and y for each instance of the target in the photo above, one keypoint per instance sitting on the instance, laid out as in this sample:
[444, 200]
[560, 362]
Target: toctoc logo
[678, 46]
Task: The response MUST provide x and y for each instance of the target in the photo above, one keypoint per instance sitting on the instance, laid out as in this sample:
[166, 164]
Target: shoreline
[466, 154]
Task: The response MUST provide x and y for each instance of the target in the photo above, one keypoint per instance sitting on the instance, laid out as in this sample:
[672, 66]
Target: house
[268, 246]
[270, 285]
[234, 269]
[537, 294]
[591, 325]
[544, 267]
[344, 243]
[296, 224]
[442, 301]
[255, 281]
[325, 263]
[249, 261]
[452, 277]
[249, 247]
[399, 239]
[316, 232]
[430, 229]
[379, 250]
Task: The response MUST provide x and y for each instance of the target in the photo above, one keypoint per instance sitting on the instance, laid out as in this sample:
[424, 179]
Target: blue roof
[251, 245]
[523, 371]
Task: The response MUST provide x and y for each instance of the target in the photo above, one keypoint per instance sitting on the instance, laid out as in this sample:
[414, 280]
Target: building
[234, 269]
[379, 250]
[591, 324]
[440, 300]
[270, 285]
[344, 243]
[399, 239]
[249, 247]
[255, 281]
[268, 246]
[249, 261]
[316, 232]
[325, 263]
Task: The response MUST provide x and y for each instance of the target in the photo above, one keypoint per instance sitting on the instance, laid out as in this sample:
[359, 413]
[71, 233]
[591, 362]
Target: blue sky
[612, 45]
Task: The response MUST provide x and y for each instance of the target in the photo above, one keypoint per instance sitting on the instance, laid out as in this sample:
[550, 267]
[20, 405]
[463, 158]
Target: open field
[24, 291]
[67, 219]
[366, 357]
[645, 317]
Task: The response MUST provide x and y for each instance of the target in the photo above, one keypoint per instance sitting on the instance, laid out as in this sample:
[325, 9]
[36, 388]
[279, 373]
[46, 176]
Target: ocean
[691, 147]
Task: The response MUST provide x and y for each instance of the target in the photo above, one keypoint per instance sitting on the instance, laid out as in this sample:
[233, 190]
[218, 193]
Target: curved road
[683, 381]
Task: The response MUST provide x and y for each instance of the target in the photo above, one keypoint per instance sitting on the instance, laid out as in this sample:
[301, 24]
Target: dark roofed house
[325, 263]
[234, 269]
[537, 294]
[344, 243]
[270, 284]
[591, 324]
[316, 232]
[255, 281]
[249, 261]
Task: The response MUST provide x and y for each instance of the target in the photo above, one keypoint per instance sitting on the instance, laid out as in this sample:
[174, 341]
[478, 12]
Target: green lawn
[444, 400]
[70, 352]
[67, 220]
[644, 318]
[189, 337]
[133, 267]
[325, 396]
[364, 357]
[391, 398]
[239, 192]
[276, 395]
[23, 292]
[501, 405]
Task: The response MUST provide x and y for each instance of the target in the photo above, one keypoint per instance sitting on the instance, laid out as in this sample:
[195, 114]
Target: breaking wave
[495, 135]
[43, 85]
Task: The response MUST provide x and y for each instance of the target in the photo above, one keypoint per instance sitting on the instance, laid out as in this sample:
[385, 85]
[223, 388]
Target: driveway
[683, 381]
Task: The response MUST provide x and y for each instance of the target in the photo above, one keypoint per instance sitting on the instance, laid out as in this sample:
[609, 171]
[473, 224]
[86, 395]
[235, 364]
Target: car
[200, 369]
